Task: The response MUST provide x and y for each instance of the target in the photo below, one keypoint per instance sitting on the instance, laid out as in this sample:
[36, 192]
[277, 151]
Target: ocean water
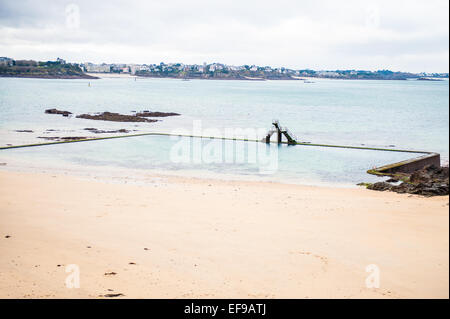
[389, 114]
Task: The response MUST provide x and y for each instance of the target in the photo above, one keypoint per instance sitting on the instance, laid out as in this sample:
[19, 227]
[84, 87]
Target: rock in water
[115, 117]
[97, 131]
[55, 111]
[156, 114]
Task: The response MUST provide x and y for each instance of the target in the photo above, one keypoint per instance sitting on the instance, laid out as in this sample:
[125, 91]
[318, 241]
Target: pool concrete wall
[409, 166]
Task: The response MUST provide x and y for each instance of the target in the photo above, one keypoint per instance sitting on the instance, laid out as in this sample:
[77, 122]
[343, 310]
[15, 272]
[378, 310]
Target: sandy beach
[112, 75]
[194, 238]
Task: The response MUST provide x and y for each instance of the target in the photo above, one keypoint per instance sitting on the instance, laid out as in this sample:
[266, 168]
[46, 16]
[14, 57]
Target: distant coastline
[306, 79]
[60, 69]
[261, 74]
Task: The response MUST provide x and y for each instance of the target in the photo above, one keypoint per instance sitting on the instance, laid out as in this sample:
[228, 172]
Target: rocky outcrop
[380, 186]
[55, 111]
[97, 131]
[430, 173]
[115, 117]
[156, 114]
[429, 181]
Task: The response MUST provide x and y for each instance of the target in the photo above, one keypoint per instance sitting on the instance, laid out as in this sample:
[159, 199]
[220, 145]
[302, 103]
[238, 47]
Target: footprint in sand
[323, 260]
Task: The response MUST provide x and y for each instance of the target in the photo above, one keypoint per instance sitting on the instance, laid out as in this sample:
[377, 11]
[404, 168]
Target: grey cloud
[226, 31]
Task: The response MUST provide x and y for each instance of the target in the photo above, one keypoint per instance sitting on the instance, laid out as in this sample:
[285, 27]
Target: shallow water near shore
[309, 165]
[385, 114]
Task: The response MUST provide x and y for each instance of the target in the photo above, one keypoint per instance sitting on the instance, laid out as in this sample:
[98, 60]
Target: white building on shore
[4, 61]
[97, 68]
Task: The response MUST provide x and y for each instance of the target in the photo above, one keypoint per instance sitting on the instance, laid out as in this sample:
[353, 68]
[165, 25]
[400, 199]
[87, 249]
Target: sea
[409, 115]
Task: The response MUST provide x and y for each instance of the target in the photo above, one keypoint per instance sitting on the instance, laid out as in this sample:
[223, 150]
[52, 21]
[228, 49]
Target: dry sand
[189, 238]
[112, 75]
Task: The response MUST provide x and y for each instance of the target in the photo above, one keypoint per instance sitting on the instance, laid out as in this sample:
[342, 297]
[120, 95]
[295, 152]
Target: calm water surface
[401, 114]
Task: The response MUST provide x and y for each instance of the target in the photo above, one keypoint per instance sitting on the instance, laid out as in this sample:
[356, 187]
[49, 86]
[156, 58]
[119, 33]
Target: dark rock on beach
[380, 186]
[429, 181]
[426, 189]
[55, 111]
[392, 180]
[24, 131]
[112, 273]
[115, 117]
[430, 173]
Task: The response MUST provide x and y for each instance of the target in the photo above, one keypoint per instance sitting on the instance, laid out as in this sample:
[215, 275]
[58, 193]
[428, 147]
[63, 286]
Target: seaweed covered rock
[380, 186]
[429, 181]
[115, 117]
[430, 173]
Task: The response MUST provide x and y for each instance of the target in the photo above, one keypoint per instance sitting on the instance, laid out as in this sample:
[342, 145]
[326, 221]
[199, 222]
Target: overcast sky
[401, 35]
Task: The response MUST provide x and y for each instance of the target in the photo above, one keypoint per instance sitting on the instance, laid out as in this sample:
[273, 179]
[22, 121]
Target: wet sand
[196, 238]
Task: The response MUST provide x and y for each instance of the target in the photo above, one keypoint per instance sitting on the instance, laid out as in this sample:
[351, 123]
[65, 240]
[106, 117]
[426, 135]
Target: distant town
[62, 69]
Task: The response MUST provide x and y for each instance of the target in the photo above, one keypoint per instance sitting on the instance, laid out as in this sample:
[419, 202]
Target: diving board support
[280, 131]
